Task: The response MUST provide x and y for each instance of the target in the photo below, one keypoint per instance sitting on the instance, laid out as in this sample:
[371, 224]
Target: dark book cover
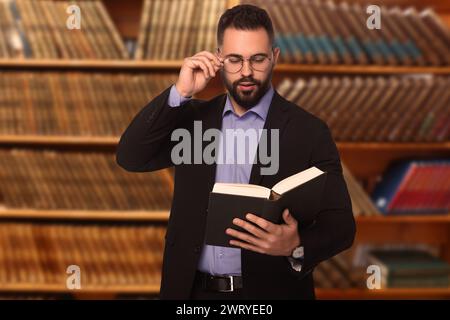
[302, 201]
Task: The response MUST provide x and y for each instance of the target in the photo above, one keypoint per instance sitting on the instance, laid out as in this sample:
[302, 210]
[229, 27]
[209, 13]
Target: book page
[297, 179]
[249, 190]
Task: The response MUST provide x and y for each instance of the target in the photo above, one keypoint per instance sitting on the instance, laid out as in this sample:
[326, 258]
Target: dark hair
[244, 17]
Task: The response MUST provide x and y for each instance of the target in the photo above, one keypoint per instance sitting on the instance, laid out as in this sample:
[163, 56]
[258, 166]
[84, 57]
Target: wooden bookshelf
[366, 160]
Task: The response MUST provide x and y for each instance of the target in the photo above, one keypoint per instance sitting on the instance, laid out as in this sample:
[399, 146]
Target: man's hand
[265, 236]
[196, 72]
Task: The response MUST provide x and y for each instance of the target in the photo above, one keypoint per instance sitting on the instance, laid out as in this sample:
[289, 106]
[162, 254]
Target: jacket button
[197, 249]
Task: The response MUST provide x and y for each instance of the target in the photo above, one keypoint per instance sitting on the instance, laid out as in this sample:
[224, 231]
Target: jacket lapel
[213, 119]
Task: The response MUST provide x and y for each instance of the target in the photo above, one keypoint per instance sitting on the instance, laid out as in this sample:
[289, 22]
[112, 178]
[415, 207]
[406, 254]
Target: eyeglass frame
[245, 59]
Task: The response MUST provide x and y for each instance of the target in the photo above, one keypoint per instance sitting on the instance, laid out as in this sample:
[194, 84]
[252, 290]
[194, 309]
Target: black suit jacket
[305, 141]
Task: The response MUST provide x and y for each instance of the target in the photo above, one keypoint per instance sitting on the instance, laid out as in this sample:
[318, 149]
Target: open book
[300, 193]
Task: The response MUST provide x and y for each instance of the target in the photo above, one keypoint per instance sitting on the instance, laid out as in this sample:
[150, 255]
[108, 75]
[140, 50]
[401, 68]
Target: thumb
[288, 218]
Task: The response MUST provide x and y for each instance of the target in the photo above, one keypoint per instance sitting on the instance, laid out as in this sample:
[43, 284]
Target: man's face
[247, 43]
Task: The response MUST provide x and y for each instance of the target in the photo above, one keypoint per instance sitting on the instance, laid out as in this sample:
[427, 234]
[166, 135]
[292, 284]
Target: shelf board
[91, 64]
[90, 289]
[86, 215]
[443, 218]
[390, 146]
[153, 289]
[163, 215]
[391, 293]
[58, 140]
[359, 69]
[173, 65]
[112, 141]
[425, 229]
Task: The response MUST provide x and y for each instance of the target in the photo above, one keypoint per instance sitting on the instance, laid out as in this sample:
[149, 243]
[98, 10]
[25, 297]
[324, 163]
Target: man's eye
[234, 60]
[259, 59]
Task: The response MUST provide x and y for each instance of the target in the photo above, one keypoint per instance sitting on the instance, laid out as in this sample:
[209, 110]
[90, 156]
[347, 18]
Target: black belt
[220, 283]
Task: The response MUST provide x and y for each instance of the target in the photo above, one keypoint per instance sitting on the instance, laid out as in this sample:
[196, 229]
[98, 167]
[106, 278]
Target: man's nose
[246, 68]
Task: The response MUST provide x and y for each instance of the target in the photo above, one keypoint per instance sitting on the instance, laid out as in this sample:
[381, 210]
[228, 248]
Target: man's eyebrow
[239, 56]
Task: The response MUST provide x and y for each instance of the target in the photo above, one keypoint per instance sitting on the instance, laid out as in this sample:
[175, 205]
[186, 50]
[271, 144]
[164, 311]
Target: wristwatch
[296, 258]
[298, 253]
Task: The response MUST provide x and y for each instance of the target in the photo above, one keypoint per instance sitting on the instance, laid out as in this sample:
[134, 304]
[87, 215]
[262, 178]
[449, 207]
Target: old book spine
[147, 8]
[111, 31]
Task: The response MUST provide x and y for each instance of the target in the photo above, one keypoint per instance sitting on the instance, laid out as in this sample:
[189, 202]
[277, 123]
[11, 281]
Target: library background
[67, 95]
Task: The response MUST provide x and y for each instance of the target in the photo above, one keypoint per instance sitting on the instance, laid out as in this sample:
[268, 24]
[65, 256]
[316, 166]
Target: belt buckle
[231, 284]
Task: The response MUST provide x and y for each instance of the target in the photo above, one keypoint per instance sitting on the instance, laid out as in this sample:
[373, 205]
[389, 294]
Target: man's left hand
[267, 237]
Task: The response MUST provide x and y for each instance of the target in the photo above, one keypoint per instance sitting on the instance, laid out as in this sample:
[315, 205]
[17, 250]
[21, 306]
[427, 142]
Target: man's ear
[276, 53]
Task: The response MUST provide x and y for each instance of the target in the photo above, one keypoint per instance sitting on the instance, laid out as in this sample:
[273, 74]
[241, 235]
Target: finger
[215, 61]
[262, 223]
[200, 64]
[288, 218]
[251, 228]
[245, 237]
[195, 64]
[246, 246]
[204, 67]
[210, 56]
[208, 63]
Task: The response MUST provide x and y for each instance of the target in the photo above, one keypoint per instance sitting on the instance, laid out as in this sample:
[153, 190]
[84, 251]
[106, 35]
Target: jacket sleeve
[334, 228]
[146, 145]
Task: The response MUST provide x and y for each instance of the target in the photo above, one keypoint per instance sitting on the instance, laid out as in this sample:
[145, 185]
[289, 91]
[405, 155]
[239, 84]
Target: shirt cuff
[175, 98]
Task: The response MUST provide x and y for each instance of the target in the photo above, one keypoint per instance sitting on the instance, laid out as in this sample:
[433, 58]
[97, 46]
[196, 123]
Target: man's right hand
[196, 72]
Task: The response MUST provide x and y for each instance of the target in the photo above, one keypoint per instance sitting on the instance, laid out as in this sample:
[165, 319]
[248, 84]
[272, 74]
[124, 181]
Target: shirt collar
[261, 108]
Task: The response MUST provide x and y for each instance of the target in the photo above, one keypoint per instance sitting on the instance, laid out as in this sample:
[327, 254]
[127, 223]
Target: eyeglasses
[235, 63]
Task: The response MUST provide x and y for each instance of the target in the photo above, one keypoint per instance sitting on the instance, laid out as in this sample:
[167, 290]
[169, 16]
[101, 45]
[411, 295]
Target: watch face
[298, 252]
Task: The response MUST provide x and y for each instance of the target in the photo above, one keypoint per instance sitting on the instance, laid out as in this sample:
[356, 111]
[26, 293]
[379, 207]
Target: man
[272, 261]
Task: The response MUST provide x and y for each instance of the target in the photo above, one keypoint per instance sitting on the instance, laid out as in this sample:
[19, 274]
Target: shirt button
[221, 255]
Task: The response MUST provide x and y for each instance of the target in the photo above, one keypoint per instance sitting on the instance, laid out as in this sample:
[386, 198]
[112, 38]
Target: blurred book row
[360, 108]
[315, 31]
[50, 180]
[106, 254]
[399, 266]
[376, 108]
[69, 180]
[121, 257]
[307, 31]
[37, 29]
[74, 103]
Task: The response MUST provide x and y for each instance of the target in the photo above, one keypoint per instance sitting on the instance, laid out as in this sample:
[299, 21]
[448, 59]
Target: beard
[247, 99]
